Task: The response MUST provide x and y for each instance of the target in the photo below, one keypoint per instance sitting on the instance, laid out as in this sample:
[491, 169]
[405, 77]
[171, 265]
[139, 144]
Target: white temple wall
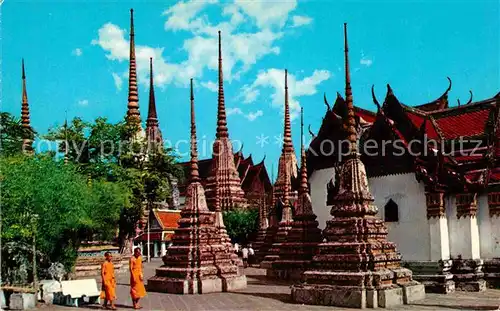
[464, 232]
[411, 232]
[318, 182]
[489, 229]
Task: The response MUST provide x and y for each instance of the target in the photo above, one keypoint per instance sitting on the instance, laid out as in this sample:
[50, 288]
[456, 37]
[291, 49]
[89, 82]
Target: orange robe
[108, 281]
[137, 289]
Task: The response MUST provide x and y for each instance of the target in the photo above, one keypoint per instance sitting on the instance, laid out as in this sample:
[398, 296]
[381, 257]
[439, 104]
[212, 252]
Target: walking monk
[137, 290]
[108, 282]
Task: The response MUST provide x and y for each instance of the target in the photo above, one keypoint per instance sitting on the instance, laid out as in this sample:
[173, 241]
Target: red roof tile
[367, 115]
[417, 121]
[168, 219]
[464, 125]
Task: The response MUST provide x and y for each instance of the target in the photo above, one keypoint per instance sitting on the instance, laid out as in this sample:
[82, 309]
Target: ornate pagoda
[296, 253]
[199, 261]
[223, 168]
[282, 197]
[27, 145]
[356, 266]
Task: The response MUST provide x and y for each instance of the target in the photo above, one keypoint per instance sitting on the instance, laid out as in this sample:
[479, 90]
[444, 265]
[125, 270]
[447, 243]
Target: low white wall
[489, 229]
[411, 232]
[318, 182]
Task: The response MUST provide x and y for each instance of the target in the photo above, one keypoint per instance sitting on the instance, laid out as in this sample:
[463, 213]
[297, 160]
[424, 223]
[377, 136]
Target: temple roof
[167, 218]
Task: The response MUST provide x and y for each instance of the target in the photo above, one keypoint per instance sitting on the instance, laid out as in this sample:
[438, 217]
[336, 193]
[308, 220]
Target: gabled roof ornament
[311, 132]
[326, 102]
[458, 102]
[375, 101]
[389, 90]
[470, 99]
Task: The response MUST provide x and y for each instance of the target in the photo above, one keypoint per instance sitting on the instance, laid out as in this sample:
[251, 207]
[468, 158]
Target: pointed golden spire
[133, 114]
[350, 122]
[152, 102]
[195, 176]
[304, 188]
[287, 133]
[25, 115]
[221, 108]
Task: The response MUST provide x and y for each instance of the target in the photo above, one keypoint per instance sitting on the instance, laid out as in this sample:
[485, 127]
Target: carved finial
[311, 132]
[458, 102]
[221, 108]
[470, 99]
[133, 115]
[326, 102]
[287, 135]
[195, 176]
[350, 122]
[303, 168]
[375, 101]
[389, 90]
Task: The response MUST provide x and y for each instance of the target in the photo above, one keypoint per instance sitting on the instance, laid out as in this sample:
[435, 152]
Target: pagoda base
[468, 275]
[357, 297]
[436, 276]
[196, 286]
[491, 270]
[267, 263]
[288, 270]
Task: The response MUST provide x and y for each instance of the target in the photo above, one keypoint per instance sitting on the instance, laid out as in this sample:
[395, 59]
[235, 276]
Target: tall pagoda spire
[194, 174]
[224, 181]
[287, 132]
[133, 115]
[25, 116]
[221, 108]
[304, 188]
[287, 165]
[153, 133]
[351, 121]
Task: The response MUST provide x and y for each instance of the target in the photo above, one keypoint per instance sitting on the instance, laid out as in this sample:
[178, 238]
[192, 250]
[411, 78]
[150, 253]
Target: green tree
[11, 134]
[241, 224]
[54, 201]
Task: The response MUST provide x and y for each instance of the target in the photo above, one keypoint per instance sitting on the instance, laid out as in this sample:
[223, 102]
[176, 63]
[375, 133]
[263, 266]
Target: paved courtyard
[262, 294]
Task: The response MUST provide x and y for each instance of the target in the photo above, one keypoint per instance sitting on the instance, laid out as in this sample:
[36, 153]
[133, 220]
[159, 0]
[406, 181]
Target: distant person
[244, 252]
[251, 255]
[236, 248]
[137, 289]
[108, 282]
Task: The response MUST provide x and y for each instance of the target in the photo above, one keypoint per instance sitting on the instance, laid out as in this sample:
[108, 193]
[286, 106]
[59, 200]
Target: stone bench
[76, 291]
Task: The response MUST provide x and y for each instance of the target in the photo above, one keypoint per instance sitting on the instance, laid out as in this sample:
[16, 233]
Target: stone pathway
[264, 295]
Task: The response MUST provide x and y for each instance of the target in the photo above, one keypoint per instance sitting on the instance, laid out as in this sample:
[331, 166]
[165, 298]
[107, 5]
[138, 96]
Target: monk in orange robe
[137, 289]
[108, 282]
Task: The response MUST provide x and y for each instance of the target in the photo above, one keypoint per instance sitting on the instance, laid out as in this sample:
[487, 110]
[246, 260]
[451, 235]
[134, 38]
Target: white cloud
[230, 111]
[254, 115]
[83, 102]
[300, 20]
[241, 50]
[251, 116]
[365, 61]
[275, 78]
[212, 86]
[118, 81]
[77, 52]
[268, 13]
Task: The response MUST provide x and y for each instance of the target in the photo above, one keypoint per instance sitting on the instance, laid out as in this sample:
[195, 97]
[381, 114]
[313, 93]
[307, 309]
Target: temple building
[163, 223]
[434, 171]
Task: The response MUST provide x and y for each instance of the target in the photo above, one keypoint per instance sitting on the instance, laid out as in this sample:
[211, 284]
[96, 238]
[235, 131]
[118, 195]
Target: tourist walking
[251, 255]
[108, 282]
[137, 289]
[244, 251]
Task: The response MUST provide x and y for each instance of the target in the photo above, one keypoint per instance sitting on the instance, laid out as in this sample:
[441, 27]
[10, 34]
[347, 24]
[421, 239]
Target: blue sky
[76, 56]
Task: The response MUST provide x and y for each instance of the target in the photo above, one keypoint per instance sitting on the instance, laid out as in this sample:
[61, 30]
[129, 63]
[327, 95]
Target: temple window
[391, 211]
